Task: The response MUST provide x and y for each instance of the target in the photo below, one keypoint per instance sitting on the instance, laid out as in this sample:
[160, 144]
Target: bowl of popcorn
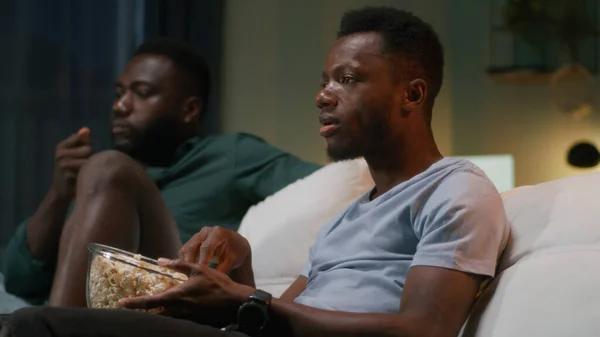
[114, 274]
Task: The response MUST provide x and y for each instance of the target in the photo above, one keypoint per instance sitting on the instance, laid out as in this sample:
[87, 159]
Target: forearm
[244, 274]
[45, 227]
[292, 319]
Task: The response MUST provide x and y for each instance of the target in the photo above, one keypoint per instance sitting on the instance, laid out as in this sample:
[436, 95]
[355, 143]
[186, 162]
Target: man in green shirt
[202, 181]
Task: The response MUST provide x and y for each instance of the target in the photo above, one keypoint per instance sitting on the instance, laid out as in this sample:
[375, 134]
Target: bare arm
[295, 289]
[30, 256]
[438, 294]
[435, 302]
[45, 227]
[244, 274]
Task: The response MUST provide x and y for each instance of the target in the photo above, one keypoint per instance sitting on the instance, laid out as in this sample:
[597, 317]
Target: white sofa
[546, 285]
[548, 274]
[282, 228]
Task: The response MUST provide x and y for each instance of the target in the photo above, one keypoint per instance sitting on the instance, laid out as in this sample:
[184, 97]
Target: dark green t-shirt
[213, 182]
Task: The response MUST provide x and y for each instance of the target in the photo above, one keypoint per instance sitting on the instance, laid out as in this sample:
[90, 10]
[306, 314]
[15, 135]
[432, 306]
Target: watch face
[252, 316]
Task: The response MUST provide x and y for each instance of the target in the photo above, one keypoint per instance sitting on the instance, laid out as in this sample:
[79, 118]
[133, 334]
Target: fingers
[81, 137]
[84, 135]
[170, 312]
[189, 251]
[72, 165]
[152, 302]
[208, 250]
[142, 302]
[76, 152]
[187, 268]
[225, 266]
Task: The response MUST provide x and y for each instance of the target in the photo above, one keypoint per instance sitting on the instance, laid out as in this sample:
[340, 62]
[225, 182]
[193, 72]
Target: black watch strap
[253, 315]
[262, 297]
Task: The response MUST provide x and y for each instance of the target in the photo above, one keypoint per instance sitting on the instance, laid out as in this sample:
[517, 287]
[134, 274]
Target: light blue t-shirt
[449, 216]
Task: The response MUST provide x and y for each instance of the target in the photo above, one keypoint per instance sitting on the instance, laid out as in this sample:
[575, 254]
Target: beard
[370, 135]
[154, 146]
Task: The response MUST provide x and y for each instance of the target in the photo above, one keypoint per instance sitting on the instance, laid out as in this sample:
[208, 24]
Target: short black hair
[191, 63]
[405, 35]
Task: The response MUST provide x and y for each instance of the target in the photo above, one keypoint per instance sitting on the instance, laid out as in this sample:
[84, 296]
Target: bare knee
[111, 161]
[108, 169]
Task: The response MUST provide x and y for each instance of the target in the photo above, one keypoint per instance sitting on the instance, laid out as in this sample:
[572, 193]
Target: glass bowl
[114, 274]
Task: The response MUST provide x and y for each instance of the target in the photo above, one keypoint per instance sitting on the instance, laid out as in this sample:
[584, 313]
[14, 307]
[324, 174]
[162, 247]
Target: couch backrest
[549, 273]
[283, 227]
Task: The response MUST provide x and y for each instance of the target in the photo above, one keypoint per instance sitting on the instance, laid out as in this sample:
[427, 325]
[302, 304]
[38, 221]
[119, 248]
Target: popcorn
[110, 280]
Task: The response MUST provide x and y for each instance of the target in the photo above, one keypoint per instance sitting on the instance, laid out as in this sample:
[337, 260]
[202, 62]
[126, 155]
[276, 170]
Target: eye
[347, 79]
[143, 92]
[323, 84]
[118, 93]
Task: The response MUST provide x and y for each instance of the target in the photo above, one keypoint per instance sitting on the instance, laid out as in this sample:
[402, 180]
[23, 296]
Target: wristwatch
[253, 315]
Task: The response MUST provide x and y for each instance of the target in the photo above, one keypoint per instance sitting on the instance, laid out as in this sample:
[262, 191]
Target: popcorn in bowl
[114, 274]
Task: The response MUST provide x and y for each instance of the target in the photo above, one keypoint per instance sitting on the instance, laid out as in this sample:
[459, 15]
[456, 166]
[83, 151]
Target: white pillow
[283, 227]
[550, 270]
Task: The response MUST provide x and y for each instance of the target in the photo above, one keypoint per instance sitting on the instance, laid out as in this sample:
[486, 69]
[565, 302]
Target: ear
[415, 94]
[191, 109]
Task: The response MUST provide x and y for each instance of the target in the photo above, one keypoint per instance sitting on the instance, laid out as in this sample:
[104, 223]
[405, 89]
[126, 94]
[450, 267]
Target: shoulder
[241, 141]
[231, 143]
[254, 149]
[465, 183]
[463, 193]
[231, 139]
[240, 138]
[462, 221]
[248, 142]
[247, 137]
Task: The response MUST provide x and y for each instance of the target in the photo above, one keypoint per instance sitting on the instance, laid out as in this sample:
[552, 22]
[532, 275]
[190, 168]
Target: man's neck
[162, 156]
[400, 163]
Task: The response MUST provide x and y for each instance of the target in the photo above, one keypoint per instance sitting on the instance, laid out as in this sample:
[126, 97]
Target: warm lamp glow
[499, 168]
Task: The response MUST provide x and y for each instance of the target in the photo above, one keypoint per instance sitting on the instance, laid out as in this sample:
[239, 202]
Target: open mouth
[329, 125]
[326, 120]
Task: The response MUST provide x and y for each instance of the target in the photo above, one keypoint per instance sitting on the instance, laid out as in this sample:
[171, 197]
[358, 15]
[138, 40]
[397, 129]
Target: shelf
[516, 58]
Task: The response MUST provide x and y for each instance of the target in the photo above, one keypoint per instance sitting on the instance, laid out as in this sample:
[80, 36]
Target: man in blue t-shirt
[406, 259]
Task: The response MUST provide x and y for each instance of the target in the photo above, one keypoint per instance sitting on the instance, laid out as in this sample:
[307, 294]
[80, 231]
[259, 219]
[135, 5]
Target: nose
[325, 100]
[122, 105]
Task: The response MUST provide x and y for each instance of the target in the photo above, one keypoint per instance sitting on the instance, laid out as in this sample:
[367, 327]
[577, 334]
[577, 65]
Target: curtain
[58, 65]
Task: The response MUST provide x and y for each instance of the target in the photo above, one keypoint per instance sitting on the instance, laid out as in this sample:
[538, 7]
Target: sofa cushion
[283, 227]
[548, 274]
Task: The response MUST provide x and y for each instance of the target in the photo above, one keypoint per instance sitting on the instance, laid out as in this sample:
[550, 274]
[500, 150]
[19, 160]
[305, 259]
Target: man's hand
[45, 227]
[219, 245]
[70, 155]
[208, 297]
